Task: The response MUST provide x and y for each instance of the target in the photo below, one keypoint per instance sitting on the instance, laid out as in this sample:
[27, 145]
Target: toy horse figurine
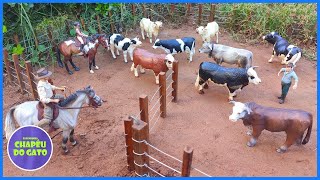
[71, 47]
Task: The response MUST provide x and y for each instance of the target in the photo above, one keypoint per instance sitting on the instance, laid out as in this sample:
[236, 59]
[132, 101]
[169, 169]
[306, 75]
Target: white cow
[152, 28]
[207, 33]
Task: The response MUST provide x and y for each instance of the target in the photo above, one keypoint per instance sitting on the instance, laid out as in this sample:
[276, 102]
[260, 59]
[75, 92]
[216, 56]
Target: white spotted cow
[293, 56]
[124, 44]
[233, 78]
[174, 46]
[279, 45]
[151, 28]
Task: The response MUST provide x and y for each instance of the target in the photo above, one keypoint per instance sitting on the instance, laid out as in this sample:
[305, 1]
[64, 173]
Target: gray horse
[27, 114]
[227, 54]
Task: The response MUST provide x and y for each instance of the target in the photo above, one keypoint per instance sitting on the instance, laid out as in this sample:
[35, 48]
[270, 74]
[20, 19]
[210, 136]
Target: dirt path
[199, 121]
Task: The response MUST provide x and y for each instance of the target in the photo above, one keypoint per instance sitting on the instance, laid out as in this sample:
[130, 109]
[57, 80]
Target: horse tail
[9, 123]
[306, 139]
[59, 56]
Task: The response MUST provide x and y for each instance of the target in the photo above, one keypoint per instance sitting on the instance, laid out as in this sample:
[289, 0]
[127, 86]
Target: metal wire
[154, 114]
[155, 103]
[201, 172]
[146, 165]
[163, 163]
[26, 84]
[15, 83]
[169, 86]
[170, 93]
[162, 152]
[27, 91]
[156, 121]
[155, 94]
[169, 75]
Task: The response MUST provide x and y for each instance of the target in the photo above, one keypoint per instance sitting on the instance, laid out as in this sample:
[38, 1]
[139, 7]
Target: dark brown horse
[71, 47]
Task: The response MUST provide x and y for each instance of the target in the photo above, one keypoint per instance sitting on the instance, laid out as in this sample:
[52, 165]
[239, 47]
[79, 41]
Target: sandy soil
[199, 121]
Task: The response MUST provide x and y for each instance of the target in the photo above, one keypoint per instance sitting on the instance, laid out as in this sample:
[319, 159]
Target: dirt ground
[198, 121]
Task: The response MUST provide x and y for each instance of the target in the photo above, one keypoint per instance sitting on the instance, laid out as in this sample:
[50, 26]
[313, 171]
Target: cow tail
[306, 139]
[10, 126]
[194, 47]
[58, 53]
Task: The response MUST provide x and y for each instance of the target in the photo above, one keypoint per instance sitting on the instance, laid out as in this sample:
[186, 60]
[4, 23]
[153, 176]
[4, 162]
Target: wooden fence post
[53, 43]
[83, 24]
[129, 143]
[67, 27]
[18, 72]
[187, 161]
[172, 7]
[212, 12]
[163, 94]
[133, 8]
[188, 9]
[144, 10]
[144, 111]
[31, 80]
[16, 39]
[139, 134]
[99, 25]
[111, 22]
[200, 14]
[175, 80]
[7, 64]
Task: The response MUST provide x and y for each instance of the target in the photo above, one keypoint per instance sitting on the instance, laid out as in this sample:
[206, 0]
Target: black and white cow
[294, 54]
[174, 46]
[233, 78]
[280, 45]
[125, 44]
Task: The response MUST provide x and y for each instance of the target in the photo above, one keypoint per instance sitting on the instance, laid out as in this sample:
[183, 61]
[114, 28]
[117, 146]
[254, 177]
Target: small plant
[18, 50]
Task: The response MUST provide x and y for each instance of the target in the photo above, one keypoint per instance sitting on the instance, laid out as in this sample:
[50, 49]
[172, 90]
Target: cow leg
[190, 56]
[299, 140]
[157, 78]
[150, 37]
[217, 37]
[232, 93]
[136, 74]
[132, 67]
[131, 54]
[118, 53]
[142, 33]
[291, 138]
[255, 135]
[112, 51]
[142, 69]
[125, 56]
[283, 59]
[270, 60]
[249, 132]
[72, 140]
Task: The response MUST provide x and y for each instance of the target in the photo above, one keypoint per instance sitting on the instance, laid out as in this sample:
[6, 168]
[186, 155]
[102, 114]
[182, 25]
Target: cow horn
[255, 67]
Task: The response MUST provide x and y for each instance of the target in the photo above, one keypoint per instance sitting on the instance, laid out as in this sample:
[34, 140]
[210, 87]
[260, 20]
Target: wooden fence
[21, 76]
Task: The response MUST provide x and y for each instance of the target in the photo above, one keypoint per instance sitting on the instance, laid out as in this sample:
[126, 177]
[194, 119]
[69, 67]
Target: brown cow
[293, 122]
[156, 62]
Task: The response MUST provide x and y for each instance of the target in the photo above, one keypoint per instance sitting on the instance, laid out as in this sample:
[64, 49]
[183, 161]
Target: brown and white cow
[258, 118]
[155, 62]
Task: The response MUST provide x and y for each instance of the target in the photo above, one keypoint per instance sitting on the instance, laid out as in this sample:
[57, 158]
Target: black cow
[174, 46]
[234, 78]
[280, 45]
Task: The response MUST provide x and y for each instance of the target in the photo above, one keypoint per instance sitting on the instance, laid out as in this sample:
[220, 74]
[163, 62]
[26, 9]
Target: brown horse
[70, 47]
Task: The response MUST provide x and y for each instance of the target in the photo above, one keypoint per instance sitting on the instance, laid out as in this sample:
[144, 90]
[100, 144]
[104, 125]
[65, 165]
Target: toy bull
[155, 62]
[229, 55]
[293, 122]
[234, 78]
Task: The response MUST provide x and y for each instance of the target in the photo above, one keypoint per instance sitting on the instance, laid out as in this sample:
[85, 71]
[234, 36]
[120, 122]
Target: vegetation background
[245, 22]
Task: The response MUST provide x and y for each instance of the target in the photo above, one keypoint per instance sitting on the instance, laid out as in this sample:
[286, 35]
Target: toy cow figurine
[293, 122]
[155, 62]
